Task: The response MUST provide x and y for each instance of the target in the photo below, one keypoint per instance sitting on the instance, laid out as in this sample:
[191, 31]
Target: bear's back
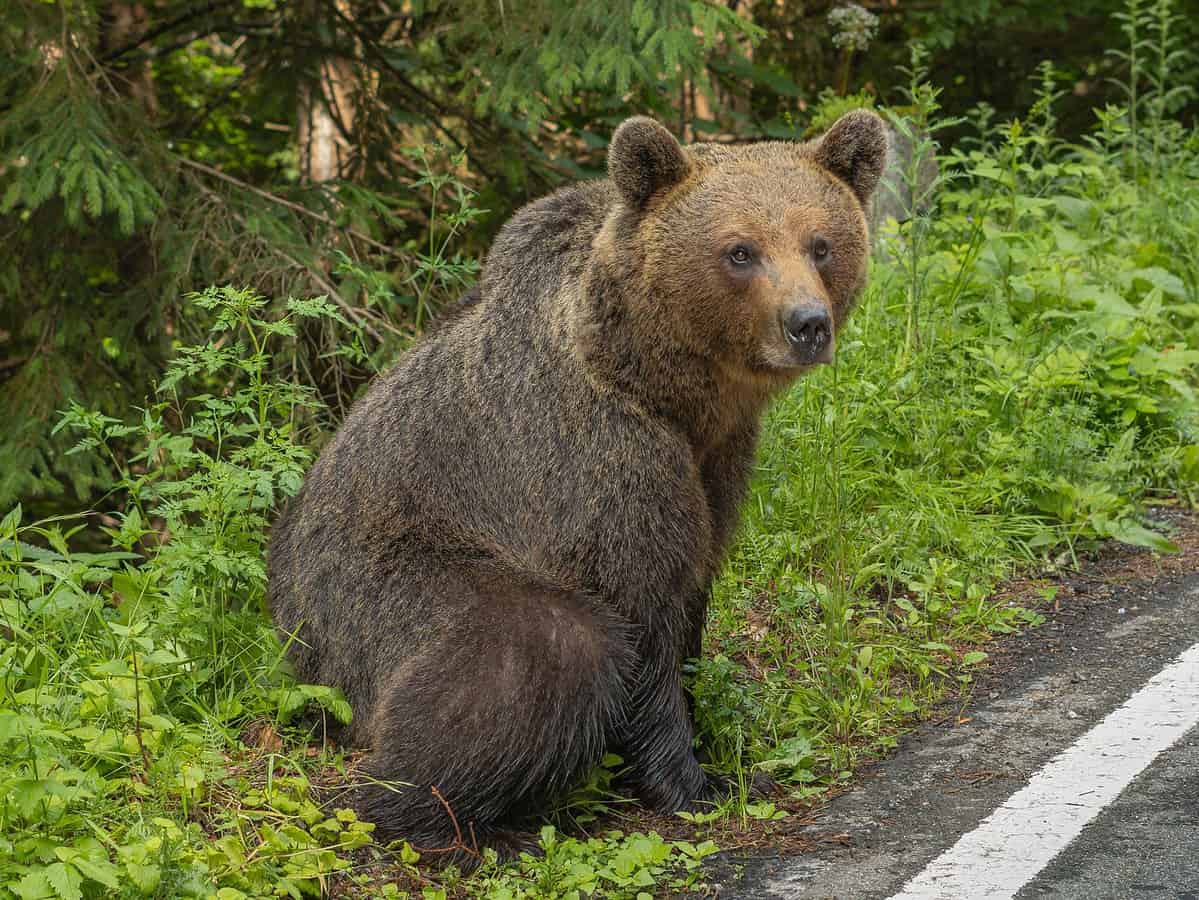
[488, 433]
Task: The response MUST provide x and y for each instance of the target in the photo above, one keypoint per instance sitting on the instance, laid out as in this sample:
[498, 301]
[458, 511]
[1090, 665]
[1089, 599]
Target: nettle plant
[211, 462]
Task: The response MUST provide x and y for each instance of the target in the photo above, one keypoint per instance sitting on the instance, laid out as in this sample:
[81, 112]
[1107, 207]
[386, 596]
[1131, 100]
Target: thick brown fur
[505, 553]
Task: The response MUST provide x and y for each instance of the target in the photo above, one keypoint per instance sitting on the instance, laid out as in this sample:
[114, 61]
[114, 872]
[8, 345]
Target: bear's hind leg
[506, 707]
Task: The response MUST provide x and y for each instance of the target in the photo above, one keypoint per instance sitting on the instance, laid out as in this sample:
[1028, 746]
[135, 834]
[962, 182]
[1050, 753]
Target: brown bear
[504, 554]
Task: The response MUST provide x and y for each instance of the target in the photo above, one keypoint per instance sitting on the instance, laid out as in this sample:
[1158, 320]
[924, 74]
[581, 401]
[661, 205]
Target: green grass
[1017, 384]
[1014, 389]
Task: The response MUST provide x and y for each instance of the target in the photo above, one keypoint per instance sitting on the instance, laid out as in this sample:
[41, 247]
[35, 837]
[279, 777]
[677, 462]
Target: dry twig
[459, 844]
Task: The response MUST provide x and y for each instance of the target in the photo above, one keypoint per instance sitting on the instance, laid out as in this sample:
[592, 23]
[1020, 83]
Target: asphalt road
[1050, 689]
[1146, 844]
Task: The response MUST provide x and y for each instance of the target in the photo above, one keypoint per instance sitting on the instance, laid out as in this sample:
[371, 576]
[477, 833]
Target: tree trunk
[326, 116]
[126, 24]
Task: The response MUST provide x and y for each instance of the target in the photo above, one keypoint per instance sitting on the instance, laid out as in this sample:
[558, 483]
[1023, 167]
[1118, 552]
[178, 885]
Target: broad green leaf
[66, 881]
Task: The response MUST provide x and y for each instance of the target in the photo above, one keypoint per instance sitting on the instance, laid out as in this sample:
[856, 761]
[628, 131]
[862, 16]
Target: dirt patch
[1112, 568]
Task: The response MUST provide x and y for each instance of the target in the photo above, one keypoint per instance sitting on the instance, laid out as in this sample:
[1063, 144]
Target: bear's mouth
[784, 363]
[806, 356]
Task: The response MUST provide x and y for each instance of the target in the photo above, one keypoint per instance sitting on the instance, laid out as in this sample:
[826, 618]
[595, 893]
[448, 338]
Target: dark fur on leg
[556, 665]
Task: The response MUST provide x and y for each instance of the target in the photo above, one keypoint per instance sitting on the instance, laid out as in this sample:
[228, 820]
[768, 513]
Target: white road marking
[1013, 844]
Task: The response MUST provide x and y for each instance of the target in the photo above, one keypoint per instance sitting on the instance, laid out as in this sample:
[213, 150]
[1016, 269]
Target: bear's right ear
[645, 158]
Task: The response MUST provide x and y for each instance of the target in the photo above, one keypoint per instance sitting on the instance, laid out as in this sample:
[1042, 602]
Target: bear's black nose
[808, 329]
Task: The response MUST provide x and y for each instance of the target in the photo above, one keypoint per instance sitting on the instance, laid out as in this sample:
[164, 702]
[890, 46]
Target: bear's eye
[741, 255]
[820, 249]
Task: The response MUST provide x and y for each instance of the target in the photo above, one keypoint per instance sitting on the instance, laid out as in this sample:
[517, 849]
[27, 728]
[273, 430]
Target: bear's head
[750, 256]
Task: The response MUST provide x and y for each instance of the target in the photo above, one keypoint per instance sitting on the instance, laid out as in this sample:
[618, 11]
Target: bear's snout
[808, 329]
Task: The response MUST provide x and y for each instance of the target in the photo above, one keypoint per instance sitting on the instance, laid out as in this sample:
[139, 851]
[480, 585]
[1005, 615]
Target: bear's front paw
[680, 793]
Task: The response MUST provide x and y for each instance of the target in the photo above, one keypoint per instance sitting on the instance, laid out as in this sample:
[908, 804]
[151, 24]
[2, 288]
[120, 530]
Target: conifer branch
[359, 317]
[283, 201]
[166, 27]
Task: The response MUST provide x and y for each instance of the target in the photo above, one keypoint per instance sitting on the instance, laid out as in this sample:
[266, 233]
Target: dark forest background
[367, 150]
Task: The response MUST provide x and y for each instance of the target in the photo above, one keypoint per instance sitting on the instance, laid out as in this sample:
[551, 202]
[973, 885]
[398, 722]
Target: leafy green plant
[434, 266]
[616, 865]
[1154, 55]
[127, 671]
[1019, 379]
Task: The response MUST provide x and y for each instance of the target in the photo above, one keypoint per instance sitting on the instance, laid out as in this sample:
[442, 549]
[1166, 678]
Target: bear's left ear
[855, 150]
[645, 158]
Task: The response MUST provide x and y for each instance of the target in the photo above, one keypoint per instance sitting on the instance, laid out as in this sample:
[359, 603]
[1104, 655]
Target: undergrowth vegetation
[1019, 381]
[1017, 384]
